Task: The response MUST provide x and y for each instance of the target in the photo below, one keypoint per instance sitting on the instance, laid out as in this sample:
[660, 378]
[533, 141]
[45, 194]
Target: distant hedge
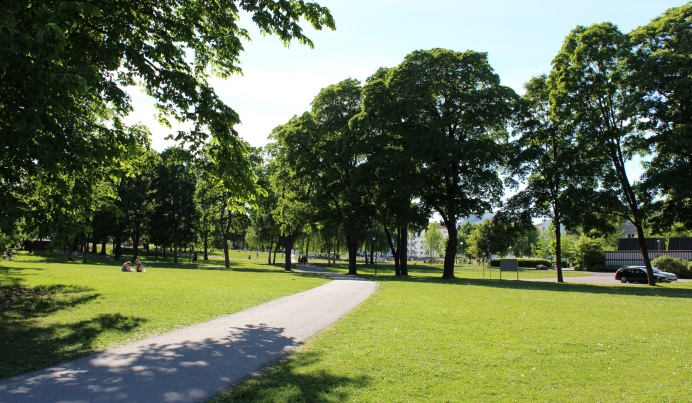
[681, 267]
[524, 262]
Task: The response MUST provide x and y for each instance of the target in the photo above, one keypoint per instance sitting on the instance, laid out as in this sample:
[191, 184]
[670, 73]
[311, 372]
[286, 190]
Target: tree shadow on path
[161, 370]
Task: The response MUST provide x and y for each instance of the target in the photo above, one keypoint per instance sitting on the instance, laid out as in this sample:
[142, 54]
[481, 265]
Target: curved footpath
[194, 363]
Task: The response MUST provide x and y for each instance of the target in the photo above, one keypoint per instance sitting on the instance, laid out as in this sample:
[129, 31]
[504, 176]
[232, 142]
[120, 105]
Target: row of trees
[439, 133]
[367, 164]
[65, 153]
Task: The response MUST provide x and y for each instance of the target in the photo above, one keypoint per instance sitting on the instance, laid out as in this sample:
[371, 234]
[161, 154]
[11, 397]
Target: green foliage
[681, 267]
[175, 215]
[64, 146]
[322, 176]
[590, 253]
[451, 109]
[661, 81]
[433, 239]
[390, 162]
[489, 237]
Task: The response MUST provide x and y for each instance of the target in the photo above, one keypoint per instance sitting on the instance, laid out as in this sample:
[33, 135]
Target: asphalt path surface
[193, 364]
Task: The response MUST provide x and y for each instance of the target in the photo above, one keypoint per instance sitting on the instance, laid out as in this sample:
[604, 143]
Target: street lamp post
[658, 249]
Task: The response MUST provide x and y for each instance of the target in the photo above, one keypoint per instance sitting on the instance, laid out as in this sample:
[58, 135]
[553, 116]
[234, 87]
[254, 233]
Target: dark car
[637, 275]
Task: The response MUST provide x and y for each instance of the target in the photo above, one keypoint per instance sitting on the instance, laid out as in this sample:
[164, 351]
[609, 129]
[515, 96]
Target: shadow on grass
[29, 345]
[289, 382]
[423, 274]
[186, 370]
[19, 302]
[546, 286]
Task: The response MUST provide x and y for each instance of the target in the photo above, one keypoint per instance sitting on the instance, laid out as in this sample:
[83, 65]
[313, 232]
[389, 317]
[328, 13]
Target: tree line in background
[368, 164]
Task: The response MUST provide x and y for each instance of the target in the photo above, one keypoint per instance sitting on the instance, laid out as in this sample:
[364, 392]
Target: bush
[524, 262]
[679, 267]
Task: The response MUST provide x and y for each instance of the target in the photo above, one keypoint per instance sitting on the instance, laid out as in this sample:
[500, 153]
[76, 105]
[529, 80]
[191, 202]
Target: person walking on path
[195, 363]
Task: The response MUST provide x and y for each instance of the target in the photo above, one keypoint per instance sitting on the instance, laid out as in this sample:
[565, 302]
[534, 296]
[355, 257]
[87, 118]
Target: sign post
[509, 265]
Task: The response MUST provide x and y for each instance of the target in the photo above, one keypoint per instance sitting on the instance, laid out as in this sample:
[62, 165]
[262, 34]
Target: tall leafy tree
[391, 166]
[549, 162]
[322, 151]
[433, 240]
[175, 213]
[490, 237]
[135, 193]
[661, 80]
[264, 231]
[231, 184]
[293, 179]
[81, 55]
[340, 180]
[453, 110]
[588, 88]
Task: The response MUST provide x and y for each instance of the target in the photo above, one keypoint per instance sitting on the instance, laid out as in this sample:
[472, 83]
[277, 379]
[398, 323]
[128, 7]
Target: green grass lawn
[424, 339]
[52, 310]
[417, 339]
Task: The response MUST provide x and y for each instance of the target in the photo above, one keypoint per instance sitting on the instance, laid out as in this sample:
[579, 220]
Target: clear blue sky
[520, 37]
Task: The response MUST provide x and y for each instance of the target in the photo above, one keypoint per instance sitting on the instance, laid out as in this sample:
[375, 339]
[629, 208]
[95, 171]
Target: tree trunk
[117, 248]
[269, 252]
[395, 251]
[352, 244]
[645, 253]
[288, 248]
[175, 245]
[451, 250]
[85, 243]
[135, 245]
[558, 249]
[403, 250]
[226, 228]
[279, 242]
[206, 245]
[104, 243]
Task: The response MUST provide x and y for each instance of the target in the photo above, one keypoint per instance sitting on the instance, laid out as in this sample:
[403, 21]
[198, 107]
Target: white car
[668, 276]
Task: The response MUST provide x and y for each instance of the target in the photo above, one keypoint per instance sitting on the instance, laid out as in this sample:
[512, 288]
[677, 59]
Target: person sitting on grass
[126, 266]
[139, 266]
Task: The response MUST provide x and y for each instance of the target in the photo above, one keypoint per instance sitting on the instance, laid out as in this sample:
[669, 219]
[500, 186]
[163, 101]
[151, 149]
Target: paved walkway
[194, 363]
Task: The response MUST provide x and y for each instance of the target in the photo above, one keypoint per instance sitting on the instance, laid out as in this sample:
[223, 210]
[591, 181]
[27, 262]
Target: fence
[634, 258]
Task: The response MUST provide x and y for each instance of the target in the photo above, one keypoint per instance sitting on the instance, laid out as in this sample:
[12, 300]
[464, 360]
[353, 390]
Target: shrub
[679, 267]
[524, 262]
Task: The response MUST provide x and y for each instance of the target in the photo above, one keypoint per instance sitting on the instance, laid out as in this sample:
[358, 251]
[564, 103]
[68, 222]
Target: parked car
[670, 276]
[634, 274]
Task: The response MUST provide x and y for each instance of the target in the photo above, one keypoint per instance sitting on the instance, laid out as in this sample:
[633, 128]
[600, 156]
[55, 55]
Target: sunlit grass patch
[426, 339]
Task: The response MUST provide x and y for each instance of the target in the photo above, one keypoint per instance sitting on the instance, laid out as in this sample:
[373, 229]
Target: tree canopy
[80, 56]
